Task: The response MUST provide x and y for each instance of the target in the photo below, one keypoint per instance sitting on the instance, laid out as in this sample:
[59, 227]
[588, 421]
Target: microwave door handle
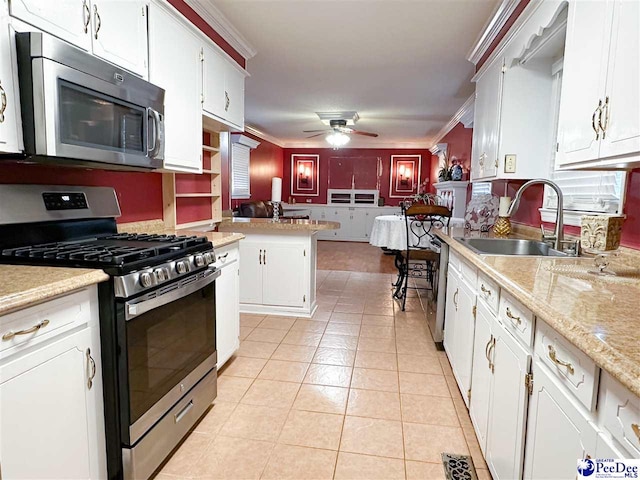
[158, 133]
[133, 309]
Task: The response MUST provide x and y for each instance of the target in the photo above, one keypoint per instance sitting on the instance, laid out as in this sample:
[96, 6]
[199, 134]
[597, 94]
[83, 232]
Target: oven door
[80, 116]
[167, 344]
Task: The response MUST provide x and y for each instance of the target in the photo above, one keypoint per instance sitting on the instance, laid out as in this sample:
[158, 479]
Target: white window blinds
[240, 161]
[480, 188]
[592, 191]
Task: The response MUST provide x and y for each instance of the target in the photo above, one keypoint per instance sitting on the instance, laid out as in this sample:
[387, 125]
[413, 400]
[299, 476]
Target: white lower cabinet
[558, 433]
[356, 223]
[227, 303]
[481, 375]
[459, 330]
[51, 420]
[277, 273]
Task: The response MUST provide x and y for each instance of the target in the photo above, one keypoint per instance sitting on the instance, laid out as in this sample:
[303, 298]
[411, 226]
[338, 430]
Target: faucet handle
[544, 234]
[571, 247]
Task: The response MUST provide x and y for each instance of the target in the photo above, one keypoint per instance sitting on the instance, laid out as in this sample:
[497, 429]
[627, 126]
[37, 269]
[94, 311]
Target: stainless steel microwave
[82, 110]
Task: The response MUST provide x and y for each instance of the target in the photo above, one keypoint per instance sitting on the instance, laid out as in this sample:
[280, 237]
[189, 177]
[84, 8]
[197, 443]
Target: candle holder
[502, 227]
[276, 211]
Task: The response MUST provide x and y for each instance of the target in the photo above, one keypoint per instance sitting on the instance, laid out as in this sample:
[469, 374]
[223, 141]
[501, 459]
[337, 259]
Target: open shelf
[195, 200]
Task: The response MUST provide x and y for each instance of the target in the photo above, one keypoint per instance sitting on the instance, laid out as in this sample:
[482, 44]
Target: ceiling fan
[339, 126]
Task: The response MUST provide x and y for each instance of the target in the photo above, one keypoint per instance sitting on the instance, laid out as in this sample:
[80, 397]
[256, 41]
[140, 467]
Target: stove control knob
[182, 267]
[209, 257]
[199, 260]
[146, 280]
[161, 274]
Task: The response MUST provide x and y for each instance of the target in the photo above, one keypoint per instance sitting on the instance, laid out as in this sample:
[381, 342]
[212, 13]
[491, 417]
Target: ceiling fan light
[337, 139]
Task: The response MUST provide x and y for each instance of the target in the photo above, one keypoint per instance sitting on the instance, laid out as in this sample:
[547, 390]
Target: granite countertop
[599, 315]
[24, 286]
[249, 224]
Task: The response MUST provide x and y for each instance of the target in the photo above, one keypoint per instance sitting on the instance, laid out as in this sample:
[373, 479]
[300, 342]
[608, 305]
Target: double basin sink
[508, 246]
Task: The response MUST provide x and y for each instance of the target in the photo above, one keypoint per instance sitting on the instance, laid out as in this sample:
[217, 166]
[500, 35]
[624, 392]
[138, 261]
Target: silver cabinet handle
[222, 257]
[260, 257]
[98, 21]
[593, 119]
[515, 320]
[227, 101]
[455, 299]
[3, 103]
[605, 110]
[10, 334]
[91, 369]
[485, 290]
[86, 16]
[264, 257]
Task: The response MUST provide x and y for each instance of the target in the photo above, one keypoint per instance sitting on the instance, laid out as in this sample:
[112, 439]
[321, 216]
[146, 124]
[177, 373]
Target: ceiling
[401, 64]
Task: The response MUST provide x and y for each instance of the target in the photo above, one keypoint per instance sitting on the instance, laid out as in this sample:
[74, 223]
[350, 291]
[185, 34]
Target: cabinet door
[250, 272]
[465, 327]
[44, 429]
[508, 406]
[67, 19]
[342, 215]
[283, 278]
[227, 313]
[487, 121]
[120, 33]
[621, 113]
[557, 432]
[213, 82]
[174, 64]
[583, 78]
[481, 374]
[369, 216]
[358, 223]
[450, 312]
[234, 95]
[10, 122]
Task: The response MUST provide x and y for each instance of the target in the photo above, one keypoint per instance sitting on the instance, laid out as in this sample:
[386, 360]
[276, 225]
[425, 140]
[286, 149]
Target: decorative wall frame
[305, 175]
[404, 175]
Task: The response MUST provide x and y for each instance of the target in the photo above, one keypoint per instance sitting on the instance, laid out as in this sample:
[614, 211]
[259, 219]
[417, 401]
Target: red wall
[327, 153]
[139, 194]
[458, 142]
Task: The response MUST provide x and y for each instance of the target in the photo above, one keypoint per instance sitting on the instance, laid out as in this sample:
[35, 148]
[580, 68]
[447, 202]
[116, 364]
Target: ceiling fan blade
[316, 135]
[366, 134]
[314, 131]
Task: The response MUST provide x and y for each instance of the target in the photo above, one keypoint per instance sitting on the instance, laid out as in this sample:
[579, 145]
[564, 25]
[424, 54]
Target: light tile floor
[357, 392]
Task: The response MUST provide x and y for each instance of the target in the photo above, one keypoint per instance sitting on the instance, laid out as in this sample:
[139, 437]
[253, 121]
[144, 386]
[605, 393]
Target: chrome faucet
[557, 237]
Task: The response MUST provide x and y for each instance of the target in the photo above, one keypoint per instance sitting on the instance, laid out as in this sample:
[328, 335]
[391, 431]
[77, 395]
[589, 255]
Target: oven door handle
[134, 309]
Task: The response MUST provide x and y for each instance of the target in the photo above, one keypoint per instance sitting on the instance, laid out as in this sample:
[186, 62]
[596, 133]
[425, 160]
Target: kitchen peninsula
[278, 264]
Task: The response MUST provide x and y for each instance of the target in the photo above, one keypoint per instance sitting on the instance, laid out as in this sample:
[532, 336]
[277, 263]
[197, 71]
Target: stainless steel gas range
[157, 313]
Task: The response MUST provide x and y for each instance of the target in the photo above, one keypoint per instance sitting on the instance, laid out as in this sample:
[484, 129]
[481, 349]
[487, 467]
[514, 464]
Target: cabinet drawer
[516, 318]
[469, 273]
[53, 317]
[575, 370]
[226, 254]
[488, 291]
[620, 414]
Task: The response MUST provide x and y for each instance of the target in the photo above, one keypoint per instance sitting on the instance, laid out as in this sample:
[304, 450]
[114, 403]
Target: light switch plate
[509, 164]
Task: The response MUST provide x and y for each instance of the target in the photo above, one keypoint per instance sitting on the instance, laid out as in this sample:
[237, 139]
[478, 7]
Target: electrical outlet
[308, 200]
[509, 164]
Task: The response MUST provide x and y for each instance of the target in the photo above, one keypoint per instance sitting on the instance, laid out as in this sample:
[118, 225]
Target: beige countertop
[248, 224]
[23, 286]
[599, 315]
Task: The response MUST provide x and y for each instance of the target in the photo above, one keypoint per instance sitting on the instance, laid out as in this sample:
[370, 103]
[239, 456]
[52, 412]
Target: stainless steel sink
[508, 246]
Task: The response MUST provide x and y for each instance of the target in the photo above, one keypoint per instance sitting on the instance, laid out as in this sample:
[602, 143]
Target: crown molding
[464, 115]
[244, 140]
[264, 136]
[221, 24]
[438, 147]
[492, 28]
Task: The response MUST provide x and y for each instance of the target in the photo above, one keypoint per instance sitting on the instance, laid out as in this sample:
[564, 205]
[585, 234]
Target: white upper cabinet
[175, 64]
[10, 125]
[223, 82]
[599, 123]
[234, 95]
[69, 20]
[120, 33]
[115, 30]
[513, 128]
[213, 81]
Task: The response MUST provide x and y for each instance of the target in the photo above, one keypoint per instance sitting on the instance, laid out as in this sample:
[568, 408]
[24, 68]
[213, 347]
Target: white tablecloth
[390, 231]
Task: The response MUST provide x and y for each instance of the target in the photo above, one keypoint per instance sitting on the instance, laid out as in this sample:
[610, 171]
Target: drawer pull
[485, 290]
[9, 335]
[515, 320]
[222, 257]
[636, 429]
[91, 367]
[554, 358]
[455, 299]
